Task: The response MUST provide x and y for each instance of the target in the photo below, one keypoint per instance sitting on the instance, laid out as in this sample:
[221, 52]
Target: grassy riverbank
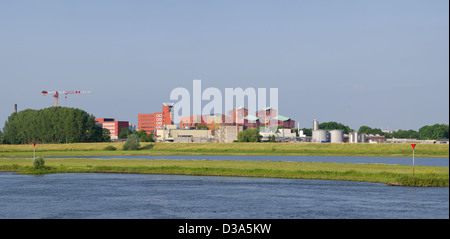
[377, 173]
[301, 149]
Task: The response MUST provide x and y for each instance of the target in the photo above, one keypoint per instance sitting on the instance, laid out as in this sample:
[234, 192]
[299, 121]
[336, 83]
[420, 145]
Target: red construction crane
[63, 92]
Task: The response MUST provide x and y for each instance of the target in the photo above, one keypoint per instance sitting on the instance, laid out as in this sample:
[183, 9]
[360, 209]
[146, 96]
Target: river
[175, 196]
[440, 162]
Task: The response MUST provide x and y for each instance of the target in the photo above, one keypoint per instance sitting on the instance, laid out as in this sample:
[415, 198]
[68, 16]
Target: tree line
[327, 126]
[52, 125]
[427, 132]
[142, 134]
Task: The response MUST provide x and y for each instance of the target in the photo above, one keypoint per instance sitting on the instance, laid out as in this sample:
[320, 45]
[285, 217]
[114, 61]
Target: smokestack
[15, 108]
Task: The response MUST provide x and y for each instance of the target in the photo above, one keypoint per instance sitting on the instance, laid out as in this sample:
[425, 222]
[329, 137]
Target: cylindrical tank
[315, 125]
[363, 138]
[353, 137]
[336, 136]
[319, 135]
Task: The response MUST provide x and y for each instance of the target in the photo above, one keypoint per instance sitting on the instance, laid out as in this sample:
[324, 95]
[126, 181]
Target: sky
[383, 64]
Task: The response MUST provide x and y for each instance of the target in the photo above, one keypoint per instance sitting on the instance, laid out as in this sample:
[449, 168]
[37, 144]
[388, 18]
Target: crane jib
[57, 93]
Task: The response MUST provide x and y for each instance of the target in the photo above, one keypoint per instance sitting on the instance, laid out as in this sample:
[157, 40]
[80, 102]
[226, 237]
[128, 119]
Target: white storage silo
[353, 137]
[320, 135]
[315, 124]
[362, 138]
[336, 136]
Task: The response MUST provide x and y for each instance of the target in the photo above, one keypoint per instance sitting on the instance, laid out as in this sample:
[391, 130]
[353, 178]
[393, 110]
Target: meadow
[399, 175]
[17, 158]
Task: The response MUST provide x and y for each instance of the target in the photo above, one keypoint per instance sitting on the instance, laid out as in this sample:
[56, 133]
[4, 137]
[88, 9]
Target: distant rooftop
[251, 117]
[282, 118]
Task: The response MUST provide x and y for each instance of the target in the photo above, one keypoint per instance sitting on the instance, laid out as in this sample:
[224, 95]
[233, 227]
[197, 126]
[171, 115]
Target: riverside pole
[413, 146]
[34, 151]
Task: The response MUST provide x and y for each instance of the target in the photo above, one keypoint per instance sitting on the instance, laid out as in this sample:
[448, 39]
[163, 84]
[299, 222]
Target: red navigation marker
[34, 150]
[413, 145]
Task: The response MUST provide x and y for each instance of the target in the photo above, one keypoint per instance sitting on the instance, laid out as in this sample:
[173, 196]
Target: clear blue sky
[379, 63]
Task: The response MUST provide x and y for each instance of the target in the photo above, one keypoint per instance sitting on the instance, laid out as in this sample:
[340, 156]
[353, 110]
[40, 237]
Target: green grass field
[305, 149]
[376, 173]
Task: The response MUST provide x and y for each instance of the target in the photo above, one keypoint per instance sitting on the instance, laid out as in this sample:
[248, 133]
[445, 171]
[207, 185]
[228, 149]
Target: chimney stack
[15, 108]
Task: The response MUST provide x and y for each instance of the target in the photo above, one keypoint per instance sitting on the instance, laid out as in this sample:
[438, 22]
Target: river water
[440, 162]
[174, 196]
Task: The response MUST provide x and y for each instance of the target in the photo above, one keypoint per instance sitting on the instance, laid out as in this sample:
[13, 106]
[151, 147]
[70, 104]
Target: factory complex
[224, 128]
[213, 128]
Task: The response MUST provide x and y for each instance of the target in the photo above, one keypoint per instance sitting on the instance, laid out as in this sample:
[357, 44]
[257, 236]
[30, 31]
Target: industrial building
[170, 133]
[336, 136]
[225, 128]
[376, 138]
[236, 115]
[320, 136]
[355, 137]
[192, 121]
[281, 135]
[114, 127]
[151, 122]
[251, 122]
[228, 134]
[221, 128]
[326, 136]
[239, 116]
[269, 116]
[222, 134]
[210, 121]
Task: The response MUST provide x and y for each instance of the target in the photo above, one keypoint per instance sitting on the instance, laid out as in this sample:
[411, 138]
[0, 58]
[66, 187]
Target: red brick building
[236, 115]
[239, 116]
[285, 122]
[115, 127]
[266, 116]
[152, 122]
[210, 121]
[251, 122]
[191, 121]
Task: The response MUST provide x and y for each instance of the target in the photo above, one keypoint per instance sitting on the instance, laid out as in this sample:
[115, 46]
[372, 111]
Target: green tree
[307, 132]
[436, 131]
[405, 134]
[132, 142]
[143, 136]
[364, 129]
[124, 132]
[367, 130]
[106, 135]
[249, 135]
[334, 125]
[51, 125]
[201, 126]
[271, 138]
[1, 137]
[38, 163]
